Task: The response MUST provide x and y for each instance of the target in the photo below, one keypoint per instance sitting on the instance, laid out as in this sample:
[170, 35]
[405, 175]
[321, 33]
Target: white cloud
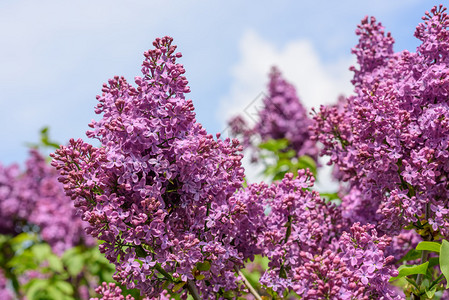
[316, 82]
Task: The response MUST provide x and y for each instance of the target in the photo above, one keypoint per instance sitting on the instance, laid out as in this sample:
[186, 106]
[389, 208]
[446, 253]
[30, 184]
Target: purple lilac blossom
[160, 190]
[36, 198]
[311, 249]
[282, 117]
[8, 205]
[392, 139]
[109, 291]
[299, 220]
[356, 268]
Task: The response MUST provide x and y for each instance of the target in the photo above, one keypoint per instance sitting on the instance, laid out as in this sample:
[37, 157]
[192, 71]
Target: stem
[248, 284]
[163, 272]
[192, 290]
[190, 285]
[424, 257]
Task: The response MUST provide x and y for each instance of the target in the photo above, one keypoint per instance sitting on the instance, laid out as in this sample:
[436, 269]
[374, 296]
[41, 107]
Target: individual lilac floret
[391, 140]
[282, 117]
[36, 198]
[160, 190]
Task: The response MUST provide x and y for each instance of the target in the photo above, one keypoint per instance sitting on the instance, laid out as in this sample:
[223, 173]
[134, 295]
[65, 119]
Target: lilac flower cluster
[309, 247]
[282, 117]
[36, 198]
[160, 190]
[354, 268]
[299, 220]
[8, 176]
[391, 140]
[110, 291]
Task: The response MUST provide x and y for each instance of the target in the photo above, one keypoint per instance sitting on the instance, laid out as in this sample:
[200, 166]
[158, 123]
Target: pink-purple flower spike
[390, 140]
[158, 192]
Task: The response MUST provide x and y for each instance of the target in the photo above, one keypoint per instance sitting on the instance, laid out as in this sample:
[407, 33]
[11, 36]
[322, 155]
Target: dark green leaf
[411, 255]
[203, 266]
[433, 261]
[444, 260]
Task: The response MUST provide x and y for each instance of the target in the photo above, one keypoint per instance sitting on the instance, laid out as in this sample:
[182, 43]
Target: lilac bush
[44, 249]
[169, 202]
[166, 198]
[34, 200]
[390, 140]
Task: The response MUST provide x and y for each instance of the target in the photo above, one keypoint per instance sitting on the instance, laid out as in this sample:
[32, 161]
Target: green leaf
[22, 241]
[22, 262]
[405, 270]
[140, 251]
[55, 263]
[65, 287]
[282, 273]
[34, 286]
[45, 139]
[433, 261]
[411, 255]
[55, 293]
[178, 286]
[305, 162]
[411, 281]
[444, 260]
[41, 251]
[330, 196]
[74, 265]
[430, 293]
[200, 277]
[274, 145]
[429, 246]
[203, 266]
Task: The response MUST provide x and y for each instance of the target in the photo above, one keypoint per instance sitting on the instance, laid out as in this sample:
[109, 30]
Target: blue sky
[55, 55]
